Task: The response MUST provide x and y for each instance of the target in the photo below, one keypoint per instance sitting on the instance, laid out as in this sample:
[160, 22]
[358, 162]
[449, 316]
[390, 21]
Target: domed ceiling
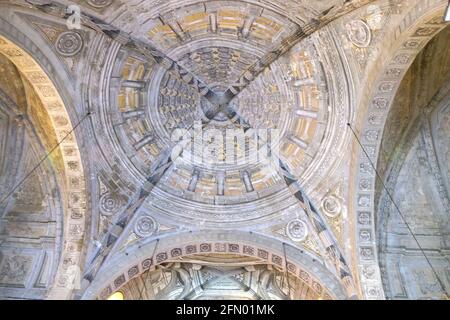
[219, 115]
[231, 140]
[211, 73]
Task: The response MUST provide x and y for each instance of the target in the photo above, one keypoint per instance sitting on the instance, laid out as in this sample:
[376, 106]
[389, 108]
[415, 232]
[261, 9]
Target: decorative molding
[408, 44]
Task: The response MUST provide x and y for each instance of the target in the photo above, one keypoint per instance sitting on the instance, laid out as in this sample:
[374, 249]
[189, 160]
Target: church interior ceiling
[215, 150]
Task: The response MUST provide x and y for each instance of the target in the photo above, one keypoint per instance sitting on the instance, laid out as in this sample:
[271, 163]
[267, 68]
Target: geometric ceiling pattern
[187, 149]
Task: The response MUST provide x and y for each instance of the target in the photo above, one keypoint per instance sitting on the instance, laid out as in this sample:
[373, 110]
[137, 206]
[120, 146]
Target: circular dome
[227, 172]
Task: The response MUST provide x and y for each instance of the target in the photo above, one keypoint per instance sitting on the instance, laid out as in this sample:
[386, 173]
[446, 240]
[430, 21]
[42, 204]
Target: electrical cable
[399, 211]
[45, 158]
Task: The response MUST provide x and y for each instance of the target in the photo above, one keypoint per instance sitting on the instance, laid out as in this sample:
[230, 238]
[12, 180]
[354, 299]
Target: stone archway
[140, 257]
[35, 67]
[412, 34]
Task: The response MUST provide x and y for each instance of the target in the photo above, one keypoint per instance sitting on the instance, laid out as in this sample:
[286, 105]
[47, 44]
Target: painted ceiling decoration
[255, 150]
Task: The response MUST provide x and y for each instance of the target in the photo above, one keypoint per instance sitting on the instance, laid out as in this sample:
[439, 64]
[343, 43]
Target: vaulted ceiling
[147, 110]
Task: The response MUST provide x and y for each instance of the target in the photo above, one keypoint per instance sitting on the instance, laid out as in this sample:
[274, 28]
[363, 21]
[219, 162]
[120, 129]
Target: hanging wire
[399, 211]
[45, 158]
[148, 272]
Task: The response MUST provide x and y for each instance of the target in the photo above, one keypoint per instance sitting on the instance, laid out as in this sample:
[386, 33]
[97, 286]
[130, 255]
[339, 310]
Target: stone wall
[414, 162]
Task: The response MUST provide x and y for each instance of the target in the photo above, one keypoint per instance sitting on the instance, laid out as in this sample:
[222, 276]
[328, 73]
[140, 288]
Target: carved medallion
[331, 206]
[111, 203]
[69, 43]
[297, 230]
[145, 226]
[99, 3]
[359, 33]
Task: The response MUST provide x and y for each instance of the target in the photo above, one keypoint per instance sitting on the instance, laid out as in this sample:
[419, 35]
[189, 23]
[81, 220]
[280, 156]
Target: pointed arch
[144, 254]
[35, 67]
[410, 36]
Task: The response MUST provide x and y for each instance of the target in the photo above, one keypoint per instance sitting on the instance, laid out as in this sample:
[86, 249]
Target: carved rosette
[359, 33]
[331, 206]
[111, 203]
[69, 43]
[145, 226]
[99, 3]
[297, 230]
